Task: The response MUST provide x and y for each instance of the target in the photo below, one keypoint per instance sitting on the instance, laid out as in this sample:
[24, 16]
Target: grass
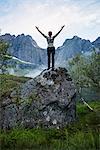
[9, 82]
[50, 139]
[80, 135]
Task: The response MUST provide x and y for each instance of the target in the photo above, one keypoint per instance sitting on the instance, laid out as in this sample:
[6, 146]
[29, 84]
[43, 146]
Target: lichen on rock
[49, 100]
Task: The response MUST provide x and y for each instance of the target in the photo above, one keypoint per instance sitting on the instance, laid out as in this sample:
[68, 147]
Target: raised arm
[41, 32]
[58, 31]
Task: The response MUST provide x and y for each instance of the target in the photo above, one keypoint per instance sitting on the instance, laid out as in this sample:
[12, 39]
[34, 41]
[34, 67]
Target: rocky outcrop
[45, 101]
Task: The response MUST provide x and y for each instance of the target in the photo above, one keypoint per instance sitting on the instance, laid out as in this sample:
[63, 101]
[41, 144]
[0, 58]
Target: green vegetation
[10, 82]
[80, 135]
[33, 96]
[85, 70]
[4, 56]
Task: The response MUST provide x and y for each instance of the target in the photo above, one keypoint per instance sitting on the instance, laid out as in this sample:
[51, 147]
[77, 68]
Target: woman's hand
[62, 26]
[36, 27]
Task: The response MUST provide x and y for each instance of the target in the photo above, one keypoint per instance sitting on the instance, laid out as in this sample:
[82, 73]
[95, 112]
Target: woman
[50, 48]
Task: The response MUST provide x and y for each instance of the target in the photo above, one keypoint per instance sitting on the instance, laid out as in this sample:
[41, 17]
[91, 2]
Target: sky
[80, 17]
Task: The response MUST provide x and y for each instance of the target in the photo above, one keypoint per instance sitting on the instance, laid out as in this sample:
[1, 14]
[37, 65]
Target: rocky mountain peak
[7, 37]
[72, 47]
[76, 37]
[96, 43]
[26, 49]
[27, 39]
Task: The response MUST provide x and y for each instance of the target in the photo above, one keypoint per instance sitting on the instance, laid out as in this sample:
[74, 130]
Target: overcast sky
[80, 17]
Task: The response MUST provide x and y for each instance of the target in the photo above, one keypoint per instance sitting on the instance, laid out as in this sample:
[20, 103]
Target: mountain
[25, 48]
[96, 43]
[72, 47]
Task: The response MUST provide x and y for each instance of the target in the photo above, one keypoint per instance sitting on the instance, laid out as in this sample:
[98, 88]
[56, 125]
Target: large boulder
[49, 100]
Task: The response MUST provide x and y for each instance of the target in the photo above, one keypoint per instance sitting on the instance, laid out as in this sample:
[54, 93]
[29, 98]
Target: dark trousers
[51, 54]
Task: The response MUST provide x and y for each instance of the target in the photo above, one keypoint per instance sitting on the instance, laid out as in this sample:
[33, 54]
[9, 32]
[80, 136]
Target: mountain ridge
[25, 48]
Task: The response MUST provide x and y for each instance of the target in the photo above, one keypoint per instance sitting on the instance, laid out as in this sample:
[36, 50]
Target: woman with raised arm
[50, 48]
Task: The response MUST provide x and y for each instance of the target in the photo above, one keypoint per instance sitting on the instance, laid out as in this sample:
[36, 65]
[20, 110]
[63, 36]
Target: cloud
[22, 16]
